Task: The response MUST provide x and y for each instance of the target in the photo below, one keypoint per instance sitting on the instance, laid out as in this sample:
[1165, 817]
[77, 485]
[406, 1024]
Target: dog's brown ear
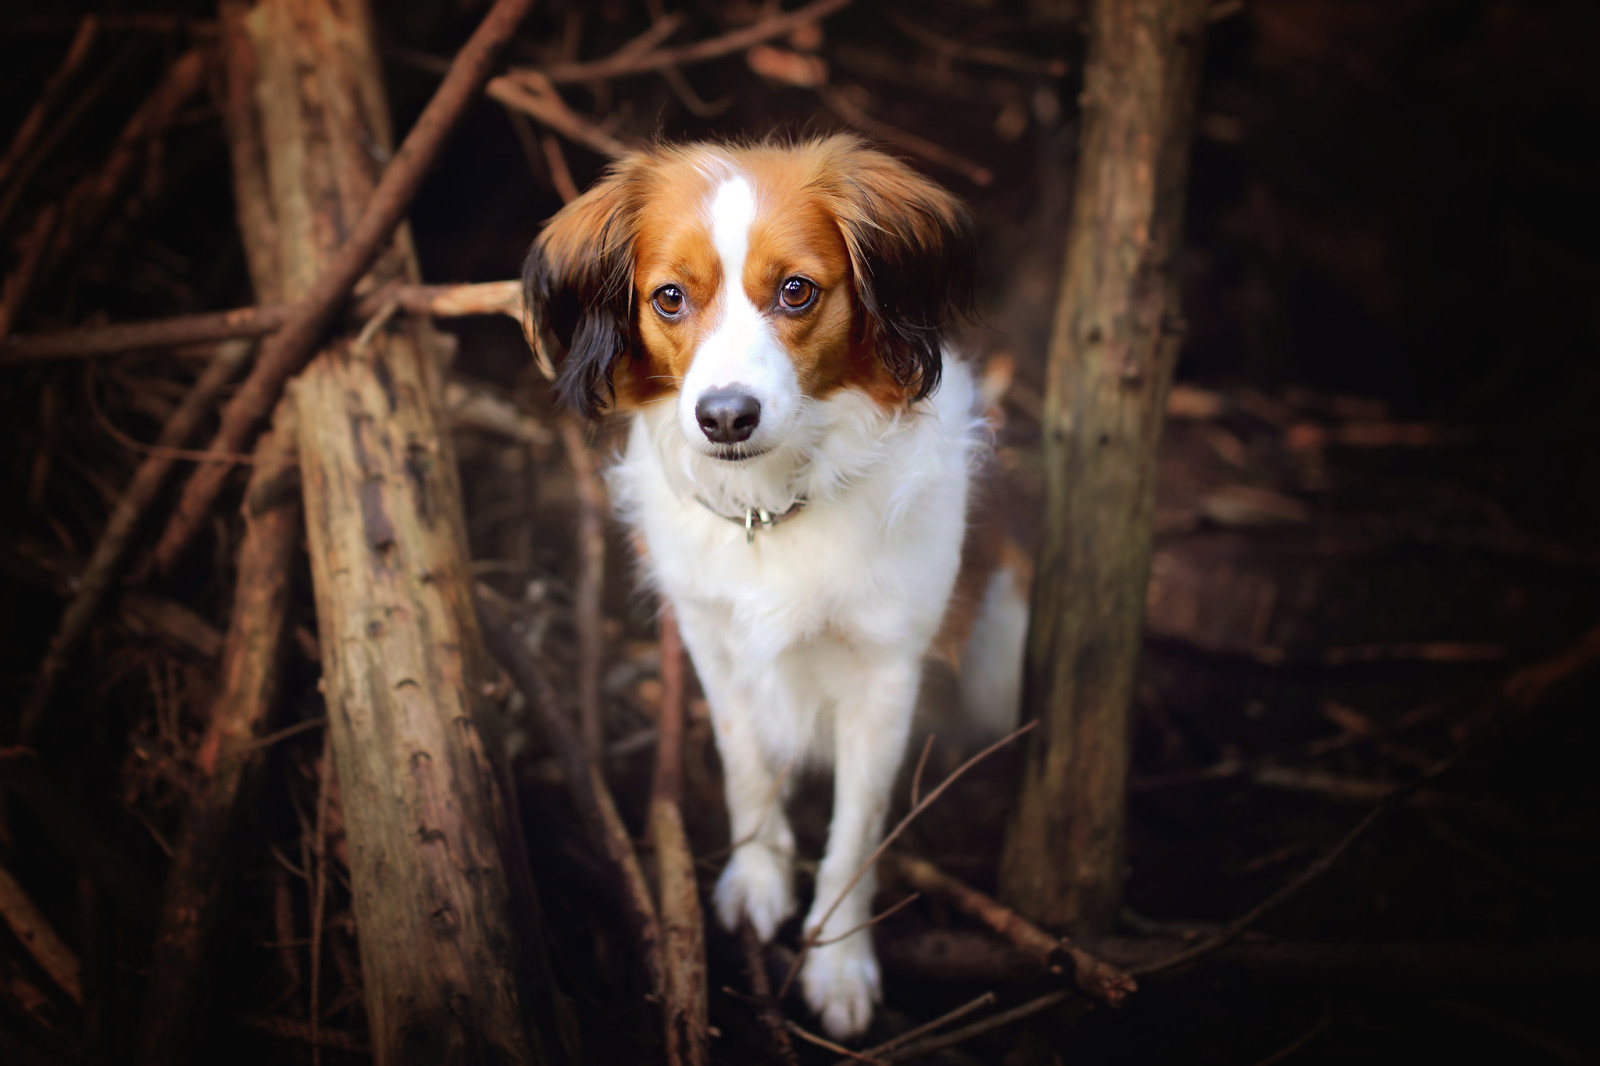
[577, 287]
[912, 247]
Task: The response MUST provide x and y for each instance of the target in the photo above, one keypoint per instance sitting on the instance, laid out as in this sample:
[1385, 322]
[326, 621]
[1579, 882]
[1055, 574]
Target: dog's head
[741, 282]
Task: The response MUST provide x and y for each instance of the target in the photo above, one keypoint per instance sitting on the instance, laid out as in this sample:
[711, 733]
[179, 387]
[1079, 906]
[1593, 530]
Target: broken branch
[1094, 976]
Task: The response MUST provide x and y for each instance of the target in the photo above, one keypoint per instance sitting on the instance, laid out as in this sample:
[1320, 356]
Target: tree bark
[435, 851]
[1112, 353]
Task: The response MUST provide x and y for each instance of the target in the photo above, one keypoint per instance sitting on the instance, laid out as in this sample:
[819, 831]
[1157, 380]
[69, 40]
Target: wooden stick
[948, 1018]
[588, 787]
[813, 934]
[968, 956]
[253, 206]
[86, 207]
[846, 109]
[534, 96]
[1234, 929]
[38, 937]
[71, 833]
[934, 1044]
[1094, 976]
[18, 283]
[767, 1009]
[828, 1045]
[97, 577]
[440, 301]
[229, 757]
[22, 140]
[288, 349]
[590, 584]
[631, 60]
[994, 57]
[684, 1002]
[307, 1033]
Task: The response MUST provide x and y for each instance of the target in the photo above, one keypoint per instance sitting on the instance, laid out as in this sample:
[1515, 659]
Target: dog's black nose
[728, 416]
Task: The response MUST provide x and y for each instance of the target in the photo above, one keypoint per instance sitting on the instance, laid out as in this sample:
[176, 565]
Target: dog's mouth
[737, 454]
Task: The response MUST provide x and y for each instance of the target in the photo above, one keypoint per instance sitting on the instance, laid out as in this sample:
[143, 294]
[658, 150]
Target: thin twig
[1093, 975]
[288, 349]
[319, 895]
[633, 60]
[883, 915]
[828, 1045]
[87, 206]
[948, 1018]
[994, 57]
[590, 584]
[91, 392]
[18, 283]
[306, 1033]
[22, 140]
[534, 96]
[816, 931]
[922, 764]
[91, 94]
[34, 931]
[97, 577]
[1234, 929]
[978, 1028]
[1325, 1020]
[286, 732]
[845, 108]
[584, 780]
[767, 1009]
[560, 173]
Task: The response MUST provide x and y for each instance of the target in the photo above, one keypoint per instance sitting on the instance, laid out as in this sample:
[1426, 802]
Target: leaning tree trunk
[1111, 358]
[435, 855]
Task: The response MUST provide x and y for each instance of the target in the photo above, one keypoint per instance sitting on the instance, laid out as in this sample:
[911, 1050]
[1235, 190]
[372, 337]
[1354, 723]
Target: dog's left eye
[796, 293]
[669, 301]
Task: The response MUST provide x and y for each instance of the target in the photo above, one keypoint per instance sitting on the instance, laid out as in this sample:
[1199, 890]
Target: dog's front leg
[870, 729]
[758, 882]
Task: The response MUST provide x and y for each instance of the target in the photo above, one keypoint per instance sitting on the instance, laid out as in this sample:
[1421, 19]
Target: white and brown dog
[771, 316]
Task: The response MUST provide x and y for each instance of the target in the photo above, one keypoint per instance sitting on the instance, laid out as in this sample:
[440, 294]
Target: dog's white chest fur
[865, 570]
[809, 640]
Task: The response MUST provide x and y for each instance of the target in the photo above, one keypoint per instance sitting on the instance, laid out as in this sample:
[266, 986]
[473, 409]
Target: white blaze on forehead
[734, 352]
[742, 349]
[733, 210]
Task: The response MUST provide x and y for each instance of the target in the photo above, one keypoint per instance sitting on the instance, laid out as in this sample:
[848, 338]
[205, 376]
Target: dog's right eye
[669, 301]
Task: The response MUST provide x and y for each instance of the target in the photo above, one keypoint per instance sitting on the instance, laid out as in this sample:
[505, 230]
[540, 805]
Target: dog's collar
[754, 518]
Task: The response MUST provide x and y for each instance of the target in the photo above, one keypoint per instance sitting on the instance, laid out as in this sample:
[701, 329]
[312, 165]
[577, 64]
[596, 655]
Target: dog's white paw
[757, 884]
[841, 984]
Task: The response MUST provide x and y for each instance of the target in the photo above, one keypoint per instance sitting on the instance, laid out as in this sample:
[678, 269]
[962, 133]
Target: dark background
[1389, 224]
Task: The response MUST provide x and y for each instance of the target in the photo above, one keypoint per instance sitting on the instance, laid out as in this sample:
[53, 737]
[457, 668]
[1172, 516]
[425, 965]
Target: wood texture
[684, 1000]
[1111, 358]
[433, 849]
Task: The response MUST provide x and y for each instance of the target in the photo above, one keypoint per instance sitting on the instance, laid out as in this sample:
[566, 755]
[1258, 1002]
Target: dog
[772, 317]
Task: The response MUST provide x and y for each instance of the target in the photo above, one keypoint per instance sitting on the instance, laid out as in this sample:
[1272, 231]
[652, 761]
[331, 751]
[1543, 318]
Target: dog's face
[740, 283]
